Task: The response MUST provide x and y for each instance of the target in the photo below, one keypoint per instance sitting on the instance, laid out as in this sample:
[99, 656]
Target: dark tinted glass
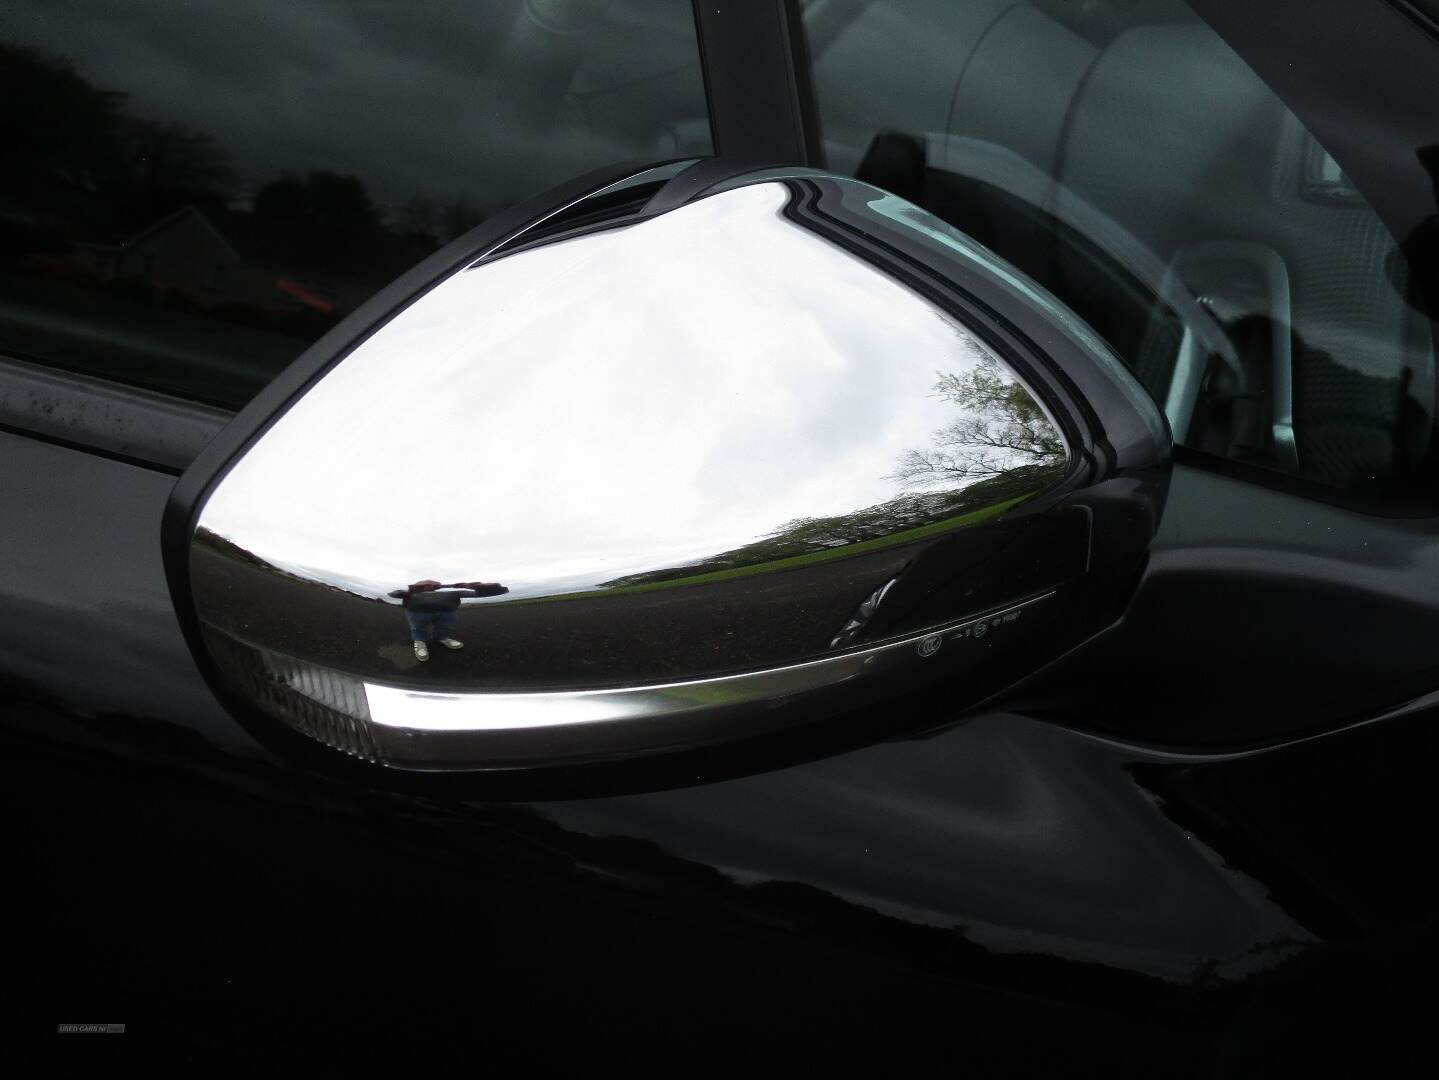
[1124, 155]
[1428, 7]
[194, 191]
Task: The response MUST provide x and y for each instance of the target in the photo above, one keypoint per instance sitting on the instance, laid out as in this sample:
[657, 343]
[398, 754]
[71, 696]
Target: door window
[1122, 154]
[192, 193]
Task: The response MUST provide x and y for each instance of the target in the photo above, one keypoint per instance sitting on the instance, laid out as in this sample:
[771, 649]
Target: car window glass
[1123, 155]
[194, 192]
[1428, 7]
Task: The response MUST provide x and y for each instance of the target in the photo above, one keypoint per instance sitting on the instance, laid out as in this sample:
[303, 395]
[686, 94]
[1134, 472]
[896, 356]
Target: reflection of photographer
[431, 609]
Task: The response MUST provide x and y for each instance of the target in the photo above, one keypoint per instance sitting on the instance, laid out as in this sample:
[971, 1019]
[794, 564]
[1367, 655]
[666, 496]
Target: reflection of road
[748, 622]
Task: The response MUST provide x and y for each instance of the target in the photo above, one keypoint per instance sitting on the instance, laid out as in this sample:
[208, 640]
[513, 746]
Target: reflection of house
[188, 253]
[183, 251]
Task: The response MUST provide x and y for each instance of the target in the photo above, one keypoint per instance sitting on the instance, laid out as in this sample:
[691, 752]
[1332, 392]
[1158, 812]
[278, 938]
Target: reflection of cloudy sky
[633, 400]
[440, 98]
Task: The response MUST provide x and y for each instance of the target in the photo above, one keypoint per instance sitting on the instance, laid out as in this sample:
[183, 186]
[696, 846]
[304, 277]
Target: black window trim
[757, 81]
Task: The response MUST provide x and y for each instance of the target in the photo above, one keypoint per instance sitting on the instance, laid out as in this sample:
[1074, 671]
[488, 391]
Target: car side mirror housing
[662, 463]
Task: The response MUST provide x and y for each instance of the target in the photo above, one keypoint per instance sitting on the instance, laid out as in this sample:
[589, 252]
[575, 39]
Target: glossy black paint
[1001, 889]
[1009, 895]
[1007, 884]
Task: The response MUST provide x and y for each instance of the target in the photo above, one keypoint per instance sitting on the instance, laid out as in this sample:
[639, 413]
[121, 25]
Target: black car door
[1192, 846]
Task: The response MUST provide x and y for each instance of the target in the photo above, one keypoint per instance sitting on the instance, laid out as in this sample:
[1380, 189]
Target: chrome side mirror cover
[739, 460]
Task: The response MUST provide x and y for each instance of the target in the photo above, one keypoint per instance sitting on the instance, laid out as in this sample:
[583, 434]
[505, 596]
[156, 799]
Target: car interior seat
[1128, 159]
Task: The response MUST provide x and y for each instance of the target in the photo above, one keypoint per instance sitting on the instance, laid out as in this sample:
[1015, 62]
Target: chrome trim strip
[408, 710]
[92, 411]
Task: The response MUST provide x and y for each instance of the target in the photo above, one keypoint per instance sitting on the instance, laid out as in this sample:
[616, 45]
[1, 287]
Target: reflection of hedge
[806, 536]
[231, 550]
[228, 549]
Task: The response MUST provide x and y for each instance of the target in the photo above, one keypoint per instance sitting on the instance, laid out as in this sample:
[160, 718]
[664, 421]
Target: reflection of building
[182, 251]
[192, 253]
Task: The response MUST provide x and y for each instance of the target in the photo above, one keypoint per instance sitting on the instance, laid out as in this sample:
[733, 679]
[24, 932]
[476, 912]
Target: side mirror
[663, 464]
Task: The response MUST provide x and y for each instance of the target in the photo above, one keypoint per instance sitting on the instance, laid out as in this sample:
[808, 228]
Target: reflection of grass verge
[813, 558]
[218, 547]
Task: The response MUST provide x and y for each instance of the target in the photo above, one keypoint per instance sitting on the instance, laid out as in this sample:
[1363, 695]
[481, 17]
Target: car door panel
[1195, 846]
[881, 888]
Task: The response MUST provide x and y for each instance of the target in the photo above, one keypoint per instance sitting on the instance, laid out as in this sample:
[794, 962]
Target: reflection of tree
[68, 141]
[1001, 450]
[321, 219]
[1002, 429]
[423, 216]
[55, 125]
[173, 158]
[88, 172]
